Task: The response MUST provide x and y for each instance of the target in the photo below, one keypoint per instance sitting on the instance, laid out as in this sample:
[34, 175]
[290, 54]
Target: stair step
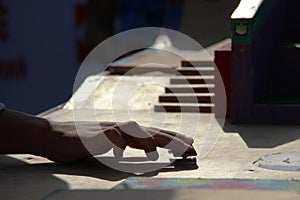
[138, 69]
[197, 63]
[172, 70]
[193, 88]
[177, 107]
[193, 80]
[191, 71]
[187, 98]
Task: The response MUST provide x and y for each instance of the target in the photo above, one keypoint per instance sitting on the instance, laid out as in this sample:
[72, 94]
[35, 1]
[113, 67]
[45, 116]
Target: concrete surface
[233, 155]
[32, 177]
[236, 148]
[224, 152]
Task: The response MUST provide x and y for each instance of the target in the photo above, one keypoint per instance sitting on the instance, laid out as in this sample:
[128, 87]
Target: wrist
[42, 133]
[22, 133]
[62, 143]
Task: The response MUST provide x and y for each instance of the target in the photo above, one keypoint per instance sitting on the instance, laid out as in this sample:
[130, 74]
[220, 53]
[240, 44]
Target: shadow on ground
[20, 180]
[264, 136]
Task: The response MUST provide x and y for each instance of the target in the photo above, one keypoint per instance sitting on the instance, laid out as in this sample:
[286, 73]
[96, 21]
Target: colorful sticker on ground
[222, 184]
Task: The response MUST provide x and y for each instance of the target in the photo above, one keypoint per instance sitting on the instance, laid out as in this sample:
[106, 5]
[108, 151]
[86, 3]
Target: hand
[67, 140]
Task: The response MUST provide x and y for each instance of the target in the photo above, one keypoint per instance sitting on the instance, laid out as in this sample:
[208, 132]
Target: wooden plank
[197, 88]
[194, 63]
[196, 71]
[187, 98]
[241, 84]
[140, 69]
[192, 80]
[223, 80]
[177, 107]
[246, 9]
[171, 70]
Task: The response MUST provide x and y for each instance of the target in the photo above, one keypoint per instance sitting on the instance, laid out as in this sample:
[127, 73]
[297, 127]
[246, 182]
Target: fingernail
[190, 140]
[152, 155]
[191, 151]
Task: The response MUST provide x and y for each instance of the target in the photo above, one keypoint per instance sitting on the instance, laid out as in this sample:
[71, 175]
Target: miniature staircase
[191, 90]
[191, 86]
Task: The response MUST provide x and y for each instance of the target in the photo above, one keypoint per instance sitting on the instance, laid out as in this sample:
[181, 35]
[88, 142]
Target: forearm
[22, 133]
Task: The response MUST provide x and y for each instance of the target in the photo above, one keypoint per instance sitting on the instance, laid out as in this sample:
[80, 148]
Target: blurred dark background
[42, 43]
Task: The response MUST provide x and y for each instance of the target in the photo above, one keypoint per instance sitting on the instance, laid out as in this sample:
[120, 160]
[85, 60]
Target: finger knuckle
[114, 131]
[132, 123]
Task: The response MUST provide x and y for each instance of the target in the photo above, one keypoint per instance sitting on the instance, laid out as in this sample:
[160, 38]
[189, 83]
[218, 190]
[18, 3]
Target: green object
[253, 25]
[241, 28]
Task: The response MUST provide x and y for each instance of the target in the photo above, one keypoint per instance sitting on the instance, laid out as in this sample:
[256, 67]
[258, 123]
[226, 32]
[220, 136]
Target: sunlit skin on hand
[65, 141]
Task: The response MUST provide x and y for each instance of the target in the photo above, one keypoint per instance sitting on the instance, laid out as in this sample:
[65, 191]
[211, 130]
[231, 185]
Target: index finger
[134, 134]
[184, 138]
[175, 144]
